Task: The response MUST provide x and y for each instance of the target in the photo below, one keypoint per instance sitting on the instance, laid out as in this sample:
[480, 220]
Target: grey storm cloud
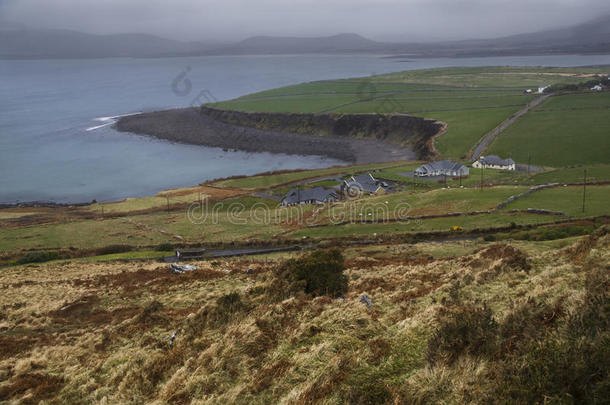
[235, 19]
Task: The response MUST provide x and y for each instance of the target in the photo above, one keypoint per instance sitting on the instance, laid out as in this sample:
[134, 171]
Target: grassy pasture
[472, 101]
[563, 131]
[426, 225]
[568, 200]
[495, 76]
[408, 204]
[595, 173]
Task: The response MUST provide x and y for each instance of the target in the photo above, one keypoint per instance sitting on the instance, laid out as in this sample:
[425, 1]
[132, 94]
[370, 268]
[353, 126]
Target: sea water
[57, 142]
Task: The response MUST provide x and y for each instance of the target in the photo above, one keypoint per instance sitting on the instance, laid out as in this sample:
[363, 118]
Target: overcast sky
[393, 20]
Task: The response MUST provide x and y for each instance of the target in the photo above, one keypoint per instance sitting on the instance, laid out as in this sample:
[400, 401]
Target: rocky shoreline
[244, 131]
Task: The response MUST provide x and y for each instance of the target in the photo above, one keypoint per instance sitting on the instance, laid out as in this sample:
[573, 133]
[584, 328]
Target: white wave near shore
[108, 121]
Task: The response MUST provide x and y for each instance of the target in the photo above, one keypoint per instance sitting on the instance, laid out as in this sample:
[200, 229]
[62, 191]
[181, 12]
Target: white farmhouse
[542, 89]
[597, 88]
[494, 162]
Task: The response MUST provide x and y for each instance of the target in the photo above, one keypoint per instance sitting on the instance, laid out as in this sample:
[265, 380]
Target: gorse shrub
[463, 329]
[114, 249]
[318, 273]
[38, 257]
[224, 310]
[230, 303]
[540, 352]
[368, 391]
[165, 247]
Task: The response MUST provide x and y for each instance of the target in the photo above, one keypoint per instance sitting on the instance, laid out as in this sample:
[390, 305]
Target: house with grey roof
[364, 183]
[494, 162]
[317, 195]
[442, 168]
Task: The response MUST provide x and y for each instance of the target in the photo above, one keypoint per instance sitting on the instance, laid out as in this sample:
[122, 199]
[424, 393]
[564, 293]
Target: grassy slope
[563, 131]
[97, 333]
[257, 218]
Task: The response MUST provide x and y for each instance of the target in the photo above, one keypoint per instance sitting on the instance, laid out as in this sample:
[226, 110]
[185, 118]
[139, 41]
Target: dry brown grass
[96, 333]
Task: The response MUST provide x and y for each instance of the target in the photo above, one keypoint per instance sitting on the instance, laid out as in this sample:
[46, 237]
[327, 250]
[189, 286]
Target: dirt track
[480, 148]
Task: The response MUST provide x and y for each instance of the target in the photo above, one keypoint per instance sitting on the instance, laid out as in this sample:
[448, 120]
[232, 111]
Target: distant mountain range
[590, 37]
[41, 44]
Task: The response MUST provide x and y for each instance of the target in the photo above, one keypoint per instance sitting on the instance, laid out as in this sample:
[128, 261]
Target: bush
[563, 359]
[219, 313]
[230, 303]
[165, 247]
[463, 330]
[113, 249]
[38, 257]
[319, 273]
[369, 392]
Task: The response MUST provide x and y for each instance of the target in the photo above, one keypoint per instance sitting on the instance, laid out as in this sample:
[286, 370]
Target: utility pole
[482, 178]
[584, 191]
[460, 180]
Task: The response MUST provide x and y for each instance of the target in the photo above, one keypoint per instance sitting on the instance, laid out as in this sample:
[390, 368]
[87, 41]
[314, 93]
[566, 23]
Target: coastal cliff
[358, 138]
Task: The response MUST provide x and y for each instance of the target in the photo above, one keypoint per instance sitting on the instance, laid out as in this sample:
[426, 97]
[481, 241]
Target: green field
[274, 180]
[568, 200]
[497, 76]
[409, 204]
[415, 226]
[564, 130]
[571, 175]
[472, 101]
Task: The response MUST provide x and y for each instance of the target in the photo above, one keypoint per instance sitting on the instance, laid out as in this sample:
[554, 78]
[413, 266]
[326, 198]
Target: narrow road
[500, 128]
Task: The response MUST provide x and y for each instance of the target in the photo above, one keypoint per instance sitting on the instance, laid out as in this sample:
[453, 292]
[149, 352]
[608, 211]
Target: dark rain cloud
[235, 19]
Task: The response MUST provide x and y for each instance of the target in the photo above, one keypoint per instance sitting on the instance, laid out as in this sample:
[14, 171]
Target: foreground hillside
[460, 322]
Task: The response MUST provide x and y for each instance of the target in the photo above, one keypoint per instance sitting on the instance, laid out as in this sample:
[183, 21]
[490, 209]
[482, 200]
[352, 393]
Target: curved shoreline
[206, 128]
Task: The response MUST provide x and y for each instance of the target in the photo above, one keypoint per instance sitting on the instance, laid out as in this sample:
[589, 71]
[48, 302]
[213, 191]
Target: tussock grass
[488, 323]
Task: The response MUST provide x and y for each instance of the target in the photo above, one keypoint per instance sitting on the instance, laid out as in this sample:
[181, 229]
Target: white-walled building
[442, 168]
[494, 162]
